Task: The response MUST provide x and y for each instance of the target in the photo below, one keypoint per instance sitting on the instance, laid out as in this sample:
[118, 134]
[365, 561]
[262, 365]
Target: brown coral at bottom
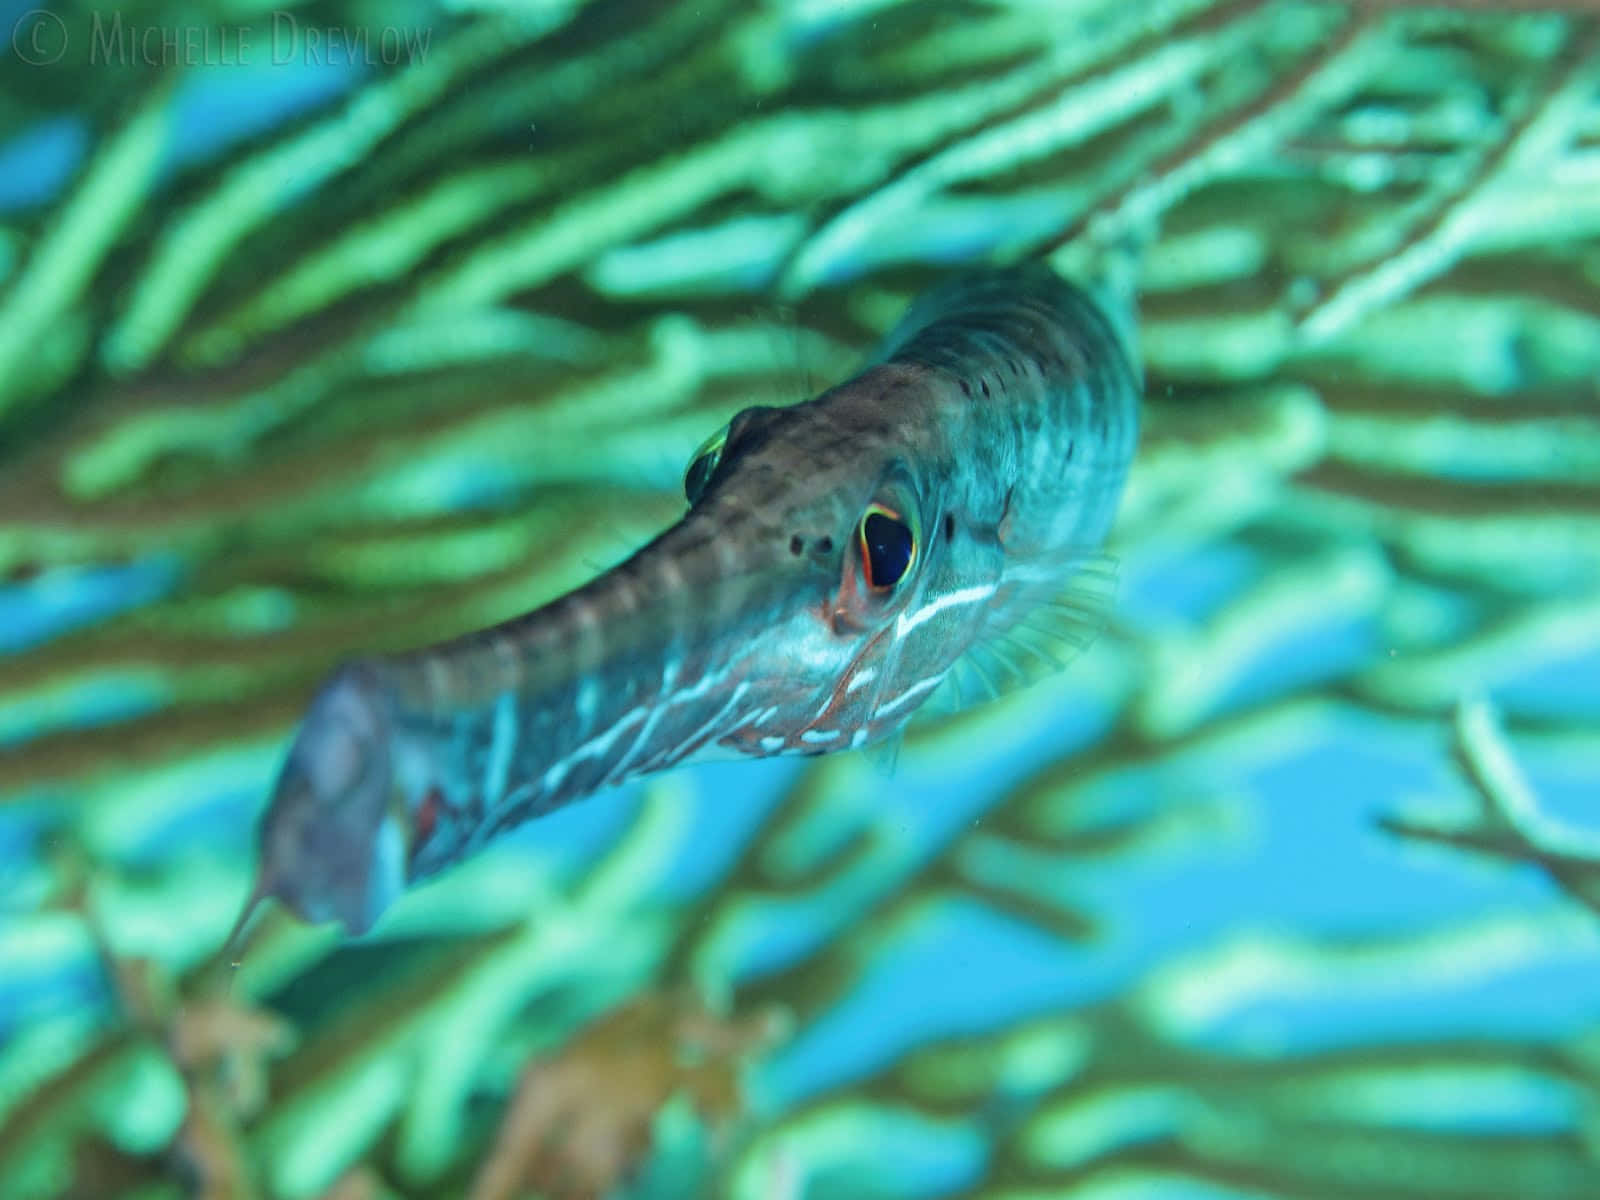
[579, 1121]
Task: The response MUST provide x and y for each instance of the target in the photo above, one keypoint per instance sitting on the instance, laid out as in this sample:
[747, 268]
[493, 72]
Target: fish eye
[888, 547]
[704, 465]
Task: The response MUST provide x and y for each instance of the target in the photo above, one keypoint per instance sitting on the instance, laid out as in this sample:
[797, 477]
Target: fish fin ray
[1034, 632]
[884, 754]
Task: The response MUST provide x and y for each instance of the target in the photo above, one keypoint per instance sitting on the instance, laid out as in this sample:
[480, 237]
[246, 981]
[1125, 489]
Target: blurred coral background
[340, 327]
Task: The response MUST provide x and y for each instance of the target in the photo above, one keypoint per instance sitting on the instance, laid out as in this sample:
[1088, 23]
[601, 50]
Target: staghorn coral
[424, 351]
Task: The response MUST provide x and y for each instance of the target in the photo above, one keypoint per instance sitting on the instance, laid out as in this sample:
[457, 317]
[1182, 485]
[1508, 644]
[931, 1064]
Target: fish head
[864, 572]
[331, 840]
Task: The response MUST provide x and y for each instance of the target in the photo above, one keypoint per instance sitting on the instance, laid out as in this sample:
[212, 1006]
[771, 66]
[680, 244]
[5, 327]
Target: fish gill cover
[340, 328]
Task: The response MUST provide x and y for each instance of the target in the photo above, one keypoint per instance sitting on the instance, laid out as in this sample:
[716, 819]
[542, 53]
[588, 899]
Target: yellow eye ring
[697, 476]
[888, 546]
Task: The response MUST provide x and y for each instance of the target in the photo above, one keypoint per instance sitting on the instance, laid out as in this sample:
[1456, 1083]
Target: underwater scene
[1156, 699]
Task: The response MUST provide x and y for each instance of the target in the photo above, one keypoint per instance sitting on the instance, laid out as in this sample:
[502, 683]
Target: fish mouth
[328, 877]
[333, 848]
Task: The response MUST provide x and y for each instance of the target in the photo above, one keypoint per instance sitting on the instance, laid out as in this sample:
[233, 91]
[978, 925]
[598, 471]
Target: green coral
[435, 352]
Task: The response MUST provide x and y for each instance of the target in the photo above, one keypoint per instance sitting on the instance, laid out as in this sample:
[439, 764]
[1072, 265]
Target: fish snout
[332, 849]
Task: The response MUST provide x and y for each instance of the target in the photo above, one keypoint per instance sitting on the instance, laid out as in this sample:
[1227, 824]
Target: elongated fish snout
[937, 517]
[331, 847]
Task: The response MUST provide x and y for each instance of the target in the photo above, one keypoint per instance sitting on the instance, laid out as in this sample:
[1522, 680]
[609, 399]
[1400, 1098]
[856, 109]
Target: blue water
[65, 598]
[36, 163]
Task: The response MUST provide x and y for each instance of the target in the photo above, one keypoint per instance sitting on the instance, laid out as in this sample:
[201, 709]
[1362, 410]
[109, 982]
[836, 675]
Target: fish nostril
[824, 545]
[949, 526]
[797, 545]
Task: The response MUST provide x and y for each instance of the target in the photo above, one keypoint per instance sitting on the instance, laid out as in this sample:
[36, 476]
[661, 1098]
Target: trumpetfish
[930, 528]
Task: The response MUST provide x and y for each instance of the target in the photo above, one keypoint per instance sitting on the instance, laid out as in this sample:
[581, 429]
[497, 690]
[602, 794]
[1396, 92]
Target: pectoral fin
[1040, 620]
